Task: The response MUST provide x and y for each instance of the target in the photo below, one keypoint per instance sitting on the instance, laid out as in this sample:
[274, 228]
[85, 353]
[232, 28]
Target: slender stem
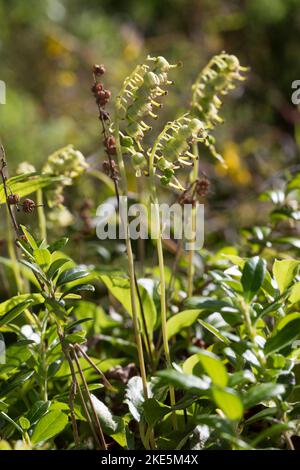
[136, 323]
[41, 215]
[15, 224]
[191, 266]
[12, 254]
[84, 382]
[72, 396]
[147, 341]
[160, 255]
[86, 412]
[91, 362]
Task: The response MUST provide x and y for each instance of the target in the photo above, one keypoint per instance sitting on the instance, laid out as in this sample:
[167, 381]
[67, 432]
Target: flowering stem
[136, 323]
[160, 255]
[191, 267]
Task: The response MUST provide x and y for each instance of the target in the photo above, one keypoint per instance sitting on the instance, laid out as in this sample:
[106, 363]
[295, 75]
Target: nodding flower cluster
[171, 150]
[102, 97]
[137, 101]
[195, 192]
[216, 79]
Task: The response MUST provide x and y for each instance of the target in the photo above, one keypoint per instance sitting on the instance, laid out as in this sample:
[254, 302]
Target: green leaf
[3, 406]
[31, 185]
[119, 287]
[35, 268]
[38, 409]
[72, 274]
[58, 244]
[181, 320]
[19, 299]
[49, 426]
[55, 267]
[183, 381]
[154, 411]
[284, 272]
[294, 296]
[214, 331]
[134, 397]
[78, 289]
[112, 425]
[42, 257]
[229, 402]
[271, 431]
[29, 238]
[101, 321]
[262, 392]
[72, 325]
[253, 275]
[11, 421]
[285, 334]
[15, 312]
[15, 382]
[211, 365]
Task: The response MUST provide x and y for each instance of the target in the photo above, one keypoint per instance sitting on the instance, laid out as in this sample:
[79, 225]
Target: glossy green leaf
[49, 426]
[183, 381]
[9, 304]
[284, 336]
[214, 331]
[262, 392]
[253, 275]
[181, 320]
[210, 364]
[30, 238]
[42, 257]
[154, 411]
[229, 402]
[58, 244]
[15, 312]
[31, 185]
[294, 296]
[284, 272]
[38, 409]
[72, 274]
[55, 267]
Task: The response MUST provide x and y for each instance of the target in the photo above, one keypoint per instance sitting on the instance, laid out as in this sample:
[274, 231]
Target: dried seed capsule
[202, 186]
[104, 115]
[13, 199]
[99, 69]
[110, 144]
[97, 87]
[28, 206]
[106, 167]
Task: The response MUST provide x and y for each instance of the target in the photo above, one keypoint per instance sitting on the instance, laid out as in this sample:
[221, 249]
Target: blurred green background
[47, 49]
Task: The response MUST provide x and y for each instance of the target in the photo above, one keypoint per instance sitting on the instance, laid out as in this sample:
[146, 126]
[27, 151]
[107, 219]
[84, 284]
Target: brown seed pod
[99, 69]
[110, 145]
[102, 98]
[96, 88]
[104, 115]
[202, 187]
[28, 206]
[13, 199]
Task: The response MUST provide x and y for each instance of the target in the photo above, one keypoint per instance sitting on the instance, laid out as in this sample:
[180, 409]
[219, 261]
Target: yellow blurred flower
[236, 170]
[66, 78]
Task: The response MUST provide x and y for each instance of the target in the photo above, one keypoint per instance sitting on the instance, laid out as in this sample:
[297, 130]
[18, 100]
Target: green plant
[198, 362]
